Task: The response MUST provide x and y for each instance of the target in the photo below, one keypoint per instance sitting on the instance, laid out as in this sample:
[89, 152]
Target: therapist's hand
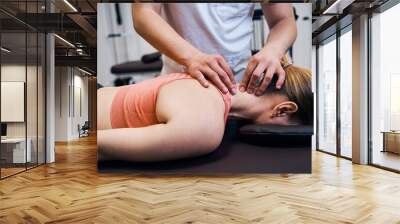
[214, 68]
[266, 62]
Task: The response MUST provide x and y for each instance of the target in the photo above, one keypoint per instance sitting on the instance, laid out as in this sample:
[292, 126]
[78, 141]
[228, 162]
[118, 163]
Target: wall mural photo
[204, 88]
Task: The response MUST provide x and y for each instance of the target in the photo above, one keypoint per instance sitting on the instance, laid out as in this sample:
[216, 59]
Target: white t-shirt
[213, 28]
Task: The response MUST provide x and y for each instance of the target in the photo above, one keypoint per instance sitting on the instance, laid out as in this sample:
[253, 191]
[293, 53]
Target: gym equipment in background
[84, 129]
[148, 63]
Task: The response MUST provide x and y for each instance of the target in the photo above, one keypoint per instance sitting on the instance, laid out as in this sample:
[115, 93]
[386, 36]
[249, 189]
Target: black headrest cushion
[287, 130]
[292, 135]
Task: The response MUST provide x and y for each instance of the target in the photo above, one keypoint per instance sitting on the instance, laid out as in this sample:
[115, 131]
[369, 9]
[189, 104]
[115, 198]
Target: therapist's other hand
[214, 68]
[266, 62]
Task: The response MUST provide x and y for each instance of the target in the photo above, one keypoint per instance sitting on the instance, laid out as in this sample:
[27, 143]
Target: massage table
[245, 148]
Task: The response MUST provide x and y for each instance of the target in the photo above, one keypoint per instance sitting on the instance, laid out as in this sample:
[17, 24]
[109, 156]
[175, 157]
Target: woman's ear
[284, 109]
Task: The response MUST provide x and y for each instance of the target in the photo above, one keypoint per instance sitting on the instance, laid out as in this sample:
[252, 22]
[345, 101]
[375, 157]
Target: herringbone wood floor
[71, 191]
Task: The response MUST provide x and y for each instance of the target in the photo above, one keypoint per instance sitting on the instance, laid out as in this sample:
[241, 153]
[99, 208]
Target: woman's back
[156, 100]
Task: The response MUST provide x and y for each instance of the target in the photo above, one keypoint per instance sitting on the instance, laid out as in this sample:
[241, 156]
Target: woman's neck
[246, 106]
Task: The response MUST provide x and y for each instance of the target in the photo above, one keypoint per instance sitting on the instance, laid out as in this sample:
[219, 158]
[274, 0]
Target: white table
[19, 155]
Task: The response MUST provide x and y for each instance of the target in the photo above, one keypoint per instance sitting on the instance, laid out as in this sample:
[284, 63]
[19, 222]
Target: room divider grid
[22, 63]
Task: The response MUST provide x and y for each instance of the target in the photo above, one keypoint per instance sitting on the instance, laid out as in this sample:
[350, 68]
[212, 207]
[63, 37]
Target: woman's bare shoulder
[191, 107]
[188, 99]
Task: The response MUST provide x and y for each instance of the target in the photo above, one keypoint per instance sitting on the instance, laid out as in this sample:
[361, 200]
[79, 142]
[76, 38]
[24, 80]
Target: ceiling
[330, 16]
[74, 21]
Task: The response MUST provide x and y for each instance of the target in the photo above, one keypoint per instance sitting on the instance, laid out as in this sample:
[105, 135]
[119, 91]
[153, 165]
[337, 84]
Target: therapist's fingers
[200, 77]
[265, 82]
[223, 76]
[281, 77]
[247, 75]
[215, 79]
[257, 73]
[227, 68]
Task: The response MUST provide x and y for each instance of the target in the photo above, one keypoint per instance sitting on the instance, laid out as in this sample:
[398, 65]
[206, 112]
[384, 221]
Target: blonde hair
[297, 87]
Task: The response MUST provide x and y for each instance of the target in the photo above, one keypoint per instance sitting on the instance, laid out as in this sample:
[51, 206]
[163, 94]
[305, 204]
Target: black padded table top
[233, 156]
[230, 158]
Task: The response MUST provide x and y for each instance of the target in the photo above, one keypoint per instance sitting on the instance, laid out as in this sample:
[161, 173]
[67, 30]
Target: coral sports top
[134, 106]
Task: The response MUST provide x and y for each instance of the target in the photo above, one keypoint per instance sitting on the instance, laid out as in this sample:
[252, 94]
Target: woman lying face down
[173, 116]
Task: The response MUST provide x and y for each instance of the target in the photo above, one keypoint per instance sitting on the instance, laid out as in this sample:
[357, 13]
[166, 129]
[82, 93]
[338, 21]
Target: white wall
[79, 117]
[61, 103]
[67, 115]
[15, 72]
[302, 45]
[33, 126]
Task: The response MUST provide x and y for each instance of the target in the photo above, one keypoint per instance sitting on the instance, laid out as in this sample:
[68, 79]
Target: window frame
[334, 37]
[379, 10]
